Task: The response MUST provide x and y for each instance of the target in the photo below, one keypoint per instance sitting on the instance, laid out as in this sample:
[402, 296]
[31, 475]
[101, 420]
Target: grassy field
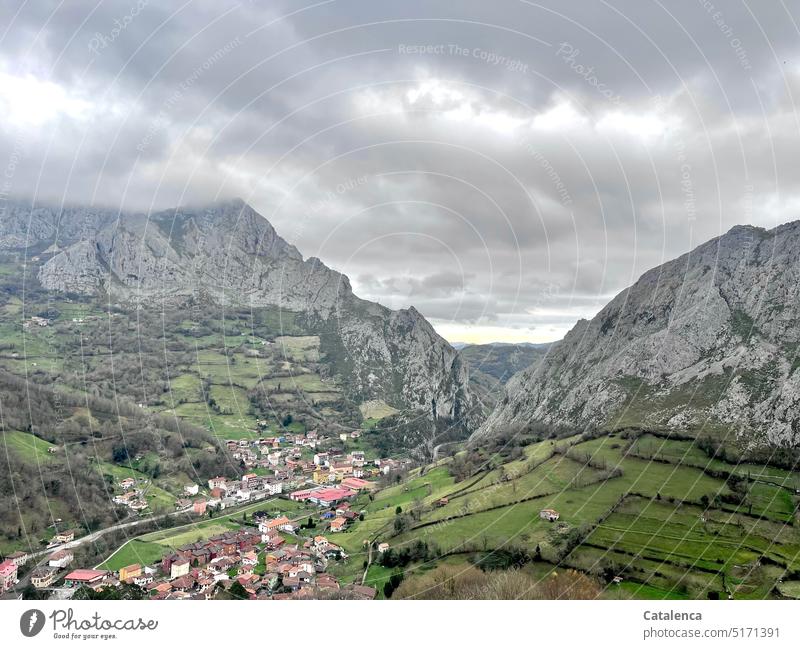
[151, 547]
[299, 348]
[135, 551]
[28, 447]
[158, 498]
[231, 376]
[673, 528]
[376, 410]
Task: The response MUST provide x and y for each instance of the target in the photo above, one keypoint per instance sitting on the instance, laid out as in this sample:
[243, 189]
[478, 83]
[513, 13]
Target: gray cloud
[509, 164]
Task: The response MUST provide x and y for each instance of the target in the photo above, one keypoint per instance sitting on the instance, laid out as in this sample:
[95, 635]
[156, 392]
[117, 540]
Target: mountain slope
[492, 365]
[706, 342]
[231, 255]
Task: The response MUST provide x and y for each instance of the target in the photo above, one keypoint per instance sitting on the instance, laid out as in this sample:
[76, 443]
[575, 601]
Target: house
[338, 524]
[341, 470]
[60, 559]
[184, 583]
[126, 498]
[127, 483]
[44, 577]
[143, 580]
[327, 497]
[85, 577]
[302, 494]
[219, 481]
[442, 501]
[8, 575]
[274, 488]
[383, 547]
[549, 515]
[199, 507]
[19, 558]
[65, 536]
[326, 581]
[364, 592]
[179, 568]
[130, 572]
[250, 481]
[274, 524]
[357, 484]
[161, 588]
[191, 489]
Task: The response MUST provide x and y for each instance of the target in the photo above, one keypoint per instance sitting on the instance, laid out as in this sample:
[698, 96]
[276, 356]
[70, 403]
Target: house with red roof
[357, 484]
[338, 524]
[85, 577]
[8, 575]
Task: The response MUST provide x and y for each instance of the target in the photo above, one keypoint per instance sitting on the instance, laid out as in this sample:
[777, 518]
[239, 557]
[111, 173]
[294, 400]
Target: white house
[60, 559]
[549, 515]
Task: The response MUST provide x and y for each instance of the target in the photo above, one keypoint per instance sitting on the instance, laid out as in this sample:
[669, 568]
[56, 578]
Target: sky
[506, 167]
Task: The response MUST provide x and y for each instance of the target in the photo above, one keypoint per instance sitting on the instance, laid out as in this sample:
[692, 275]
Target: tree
[400, 524]
[568, 584]
[398, 510]
[237, 591]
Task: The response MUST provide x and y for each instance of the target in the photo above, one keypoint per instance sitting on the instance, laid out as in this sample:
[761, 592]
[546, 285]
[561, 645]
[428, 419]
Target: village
[276, 553]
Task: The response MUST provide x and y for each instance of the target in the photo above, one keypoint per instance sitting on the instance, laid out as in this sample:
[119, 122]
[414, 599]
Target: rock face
[492, 365]
[706, 342]
[230, 254]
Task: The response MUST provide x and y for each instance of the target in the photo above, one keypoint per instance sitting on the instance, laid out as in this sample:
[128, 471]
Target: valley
[124, 396]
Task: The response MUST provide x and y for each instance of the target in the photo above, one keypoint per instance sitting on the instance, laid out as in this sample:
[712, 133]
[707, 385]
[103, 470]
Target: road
[89, 538]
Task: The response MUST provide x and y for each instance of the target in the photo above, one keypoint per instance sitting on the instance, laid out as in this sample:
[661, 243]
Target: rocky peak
[706, 340]
[229, 253]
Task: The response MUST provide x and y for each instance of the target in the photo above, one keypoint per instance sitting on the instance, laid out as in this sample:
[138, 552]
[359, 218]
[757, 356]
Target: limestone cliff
[708, 341]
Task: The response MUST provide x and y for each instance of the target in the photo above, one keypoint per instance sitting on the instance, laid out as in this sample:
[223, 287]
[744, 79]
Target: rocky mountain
[230, 254]
[491, 366]
[502, 360]
[706, 343]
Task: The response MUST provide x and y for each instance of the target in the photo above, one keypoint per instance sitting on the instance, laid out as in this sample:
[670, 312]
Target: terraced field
[281, 378]
[659, 513]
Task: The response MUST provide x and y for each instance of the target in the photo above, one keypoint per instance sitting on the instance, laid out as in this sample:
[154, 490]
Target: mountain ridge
[229, 253]
[705, 341]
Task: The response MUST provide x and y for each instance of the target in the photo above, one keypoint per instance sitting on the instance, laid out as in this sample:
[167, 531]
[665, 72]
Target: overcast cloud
[506, 166]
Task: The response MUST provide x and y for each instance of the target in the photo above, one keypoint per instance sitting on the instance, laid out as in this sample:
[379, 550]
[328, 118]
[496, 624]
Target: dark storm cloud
[509, 164]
